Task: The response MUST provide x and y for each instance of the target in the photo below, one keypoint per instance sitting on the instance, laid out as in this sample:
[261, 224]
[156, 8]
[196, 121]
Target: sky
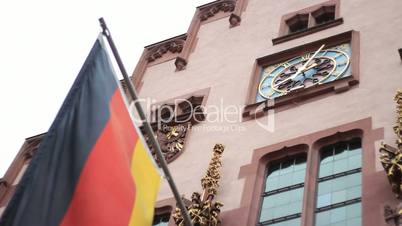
[43, 44]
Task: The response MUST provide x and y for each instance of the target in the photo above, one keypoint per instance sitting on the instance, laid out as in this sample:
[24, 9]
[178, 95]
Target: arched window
[339, 185]
[282, 197]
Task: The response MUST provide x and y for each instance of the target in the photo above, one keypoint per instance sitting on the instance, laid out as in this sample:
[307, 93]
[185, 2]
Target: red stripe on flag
[105, 193]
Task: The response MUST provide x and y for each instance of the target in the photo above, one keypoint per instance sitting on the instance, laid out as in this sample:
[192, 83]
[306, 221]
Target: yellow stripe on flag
[147, 180]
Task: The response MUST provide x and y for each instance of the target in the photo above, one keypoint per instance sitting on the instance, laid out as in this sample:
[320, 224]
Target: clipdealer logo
[214, 118]
[267, 121]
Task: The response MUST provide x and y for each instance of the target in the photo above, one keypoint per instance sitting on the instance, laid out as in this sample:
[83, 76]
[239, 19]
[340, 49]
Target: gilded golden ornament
[391, 157]
[203, 210]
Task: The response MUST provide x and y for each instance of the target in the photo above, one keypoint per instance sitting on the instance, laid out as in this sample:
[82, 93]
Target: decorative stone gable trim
[180, 47]
[174, 45]
[213, 8]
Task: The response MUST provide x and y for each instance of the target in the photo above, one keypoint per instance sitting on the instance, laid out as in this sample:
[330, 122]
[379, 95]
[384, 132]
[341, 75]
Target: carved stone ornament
[203, 210]
[212, 9]
[171, 124]
[174, 46]
[180, 63]
[31, 145]
[234, 19]
[171, 139]
[391, 157]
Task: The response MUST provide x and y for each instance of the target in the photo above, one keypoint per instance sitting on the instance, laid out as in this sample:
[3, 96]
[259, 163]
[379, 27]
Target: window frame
[284, 35]
[313, 155]
[253, 173]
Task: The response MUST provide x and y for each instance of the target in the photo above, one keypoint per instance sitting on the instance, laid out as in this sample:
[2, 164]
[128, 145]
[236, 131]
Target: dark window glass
[161, 220]
[324, 14]
[283, 197]
[349, 215]
[298, 23]
[339, 185]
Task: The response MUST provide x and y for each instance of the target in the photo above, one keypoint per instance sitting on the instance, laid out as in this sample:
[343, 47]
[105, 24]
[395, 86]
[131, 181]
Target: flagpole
[147, 126]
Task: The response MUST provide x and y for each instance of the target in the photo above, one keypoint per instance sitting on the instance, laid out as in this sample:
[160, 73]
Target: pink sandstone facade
[218, 59]
[223, 59]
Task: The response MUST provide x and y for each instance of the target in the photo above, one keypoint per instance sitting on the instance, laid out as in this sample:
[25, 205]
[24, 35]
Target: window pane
[272, 184]
[326, 169]
[269, 202]
[280, 211]
[340, 166]
[338, 196]
[338, 214]
[354, 222]
[354, 179]
[297, 194]
[339, 223]
[285, 180]
[282, 198]
[324, 187]
[339, 190]
[293, 222]
[324, 200]
[349, 215]
[343, 156]
[282, 204]
[287, 166]
[354, 192]
[354, 162]
[339, 183]
[266, 214]
[295, 207]
[354, 210]
[298, 177]
[322, 218]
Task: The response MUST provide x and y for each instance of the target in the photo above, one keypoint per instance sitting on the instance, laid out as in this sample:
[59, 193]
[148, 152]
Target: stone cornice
[26, 152]
[209, 10]
[31, 145]
[173, 45]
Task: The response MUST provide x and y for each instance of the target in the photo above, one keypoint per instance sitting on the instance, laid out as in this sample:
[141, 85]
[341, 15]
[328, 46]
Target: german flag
[92, 168]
